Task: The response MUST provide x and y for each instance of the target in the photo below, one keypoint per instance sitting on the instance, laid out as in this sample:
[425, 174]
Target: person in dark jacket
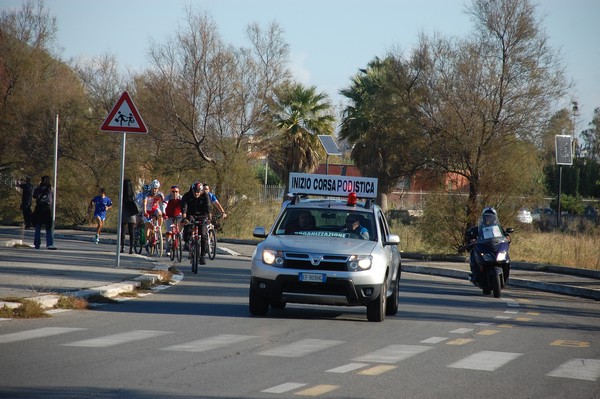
[195, 206]
[26, 201]
[42, 214]
[128, 214]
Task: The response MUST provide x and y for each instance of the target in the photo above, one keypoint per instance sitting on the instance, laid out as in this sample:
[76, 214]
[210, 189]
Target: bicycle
[176, 245]
[156, 240]
[212, 238]
[139, 238]
[195, 246]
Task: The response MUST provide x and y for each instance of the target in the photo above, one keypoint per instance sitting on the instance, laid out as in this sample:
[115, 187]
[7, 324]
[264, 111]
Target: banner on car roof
[332, 185]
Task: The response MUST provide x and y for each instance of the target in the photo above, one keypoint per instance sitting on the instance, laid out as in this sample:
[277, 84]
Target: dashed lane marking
[488, 332]
[206, 344]
[570, 344]
[317, 390]
[580, 369]
[533, 313]
[505, 325]
[461, 331]
[460, 341]
[434, 340]
[37, 333]
[301, 348]
[392, 354]
[117, 339]
[347, 368]
[283, 388]
[485, 360]
[502, 317]
[377, 370]
[523, 319]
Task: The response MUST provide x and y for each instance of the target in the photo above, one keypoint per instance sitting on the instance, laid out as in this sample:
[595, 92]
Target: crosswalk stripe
[347, 368]
[392, 354]
[377, 370]
[301, 348]
[580, 369]
[461, 331]
[317, 390]
[283, 388]
[485, 360]
[434, 340]
[37, 333]
[205, 344]
[117, 339]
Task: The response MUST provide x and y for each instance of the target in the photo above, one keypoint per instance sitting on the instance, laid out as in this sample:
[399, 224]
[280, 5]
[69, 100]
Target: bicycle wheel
[159, 242]
[171, 243]
[179, 250]
[195, 250]
[138, 243]
[212, 244]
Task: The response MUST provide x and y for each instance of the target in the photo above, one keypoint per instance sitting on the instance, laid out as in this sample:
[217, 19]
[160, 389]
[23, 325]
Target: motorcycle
[490, 259]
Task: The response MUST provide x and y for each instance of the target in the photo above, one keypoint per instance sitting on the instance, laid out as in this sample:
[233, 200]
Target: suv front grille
[306, 261]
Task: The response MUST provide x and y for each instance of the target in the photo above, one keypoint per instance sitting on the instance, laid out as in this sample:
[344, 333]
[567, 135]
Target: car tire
[259, 305]
[280, 305]
[392, 303]
[376, 309]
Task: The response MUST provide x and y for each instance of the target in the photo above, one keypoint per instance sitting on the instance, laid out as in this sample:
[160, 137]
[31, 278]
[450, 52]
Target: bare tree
[207, 98]
[488, 95]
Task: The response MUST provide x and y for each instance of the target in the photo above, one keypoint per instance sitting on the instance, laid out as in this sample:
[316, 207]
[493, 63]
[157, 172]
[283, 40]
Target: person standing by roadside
[42, 214]
[128, 214]
[26, 200]
[101, 204]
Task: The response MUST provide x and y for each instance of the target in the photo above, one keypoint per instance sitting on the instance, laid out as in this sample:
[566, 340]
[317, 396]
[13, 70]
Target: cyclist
[154, 207]
[214, 200]
[173, 212]
[195, 206]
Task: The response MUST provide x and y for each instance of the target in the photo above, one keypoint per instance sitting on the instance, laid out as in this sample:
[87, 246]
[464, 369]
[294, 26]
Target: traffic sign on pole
[124, 117]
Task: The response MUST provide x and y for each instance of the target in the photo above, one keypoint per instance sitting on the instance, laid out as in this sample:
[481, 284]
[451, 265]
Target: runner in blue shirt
[101, 204]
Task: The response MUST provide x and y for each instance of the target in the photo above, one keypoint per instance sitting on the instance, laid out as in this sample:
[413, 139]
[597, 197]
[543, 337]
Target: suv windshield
[327, 223]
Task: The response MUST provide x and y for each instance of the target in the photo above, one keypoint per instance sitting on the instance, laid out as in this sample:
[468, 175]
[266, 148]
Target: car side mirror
[259, 232]
[392, 239]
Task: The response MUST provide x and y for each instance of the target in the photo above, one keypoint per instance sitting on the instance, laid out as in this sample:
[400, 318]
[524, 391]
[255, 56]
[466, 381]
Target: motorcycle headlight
[273, 258]
[501, 256]
[359, 262]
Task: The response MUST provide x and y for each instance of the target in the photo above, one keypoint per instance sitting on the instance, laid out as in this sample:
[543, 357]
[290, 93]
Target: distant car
[524, 216]
[320, 260]
[538, 212]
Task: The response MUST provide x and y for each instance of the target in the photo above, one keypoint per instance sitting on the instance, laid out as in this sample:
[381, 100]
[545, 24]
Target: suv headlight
[359, 262]
[272, 257]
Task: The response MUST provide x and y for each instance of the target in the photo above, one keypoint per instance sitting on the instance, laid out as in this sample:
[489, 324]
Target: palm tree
[299, 115]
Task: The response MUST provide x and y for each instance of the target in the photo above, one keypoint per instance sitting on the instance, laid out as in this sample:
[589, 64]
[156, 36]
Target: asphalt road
[196, 339]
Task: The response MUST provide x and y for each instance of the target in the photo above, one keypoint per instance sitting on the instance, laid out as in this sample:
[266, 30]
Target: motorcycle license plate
[312, 277]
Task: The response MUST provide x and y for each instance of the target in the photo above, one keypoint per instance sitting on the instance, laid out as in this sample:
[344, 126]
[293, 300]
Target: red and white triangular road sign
[124, 117]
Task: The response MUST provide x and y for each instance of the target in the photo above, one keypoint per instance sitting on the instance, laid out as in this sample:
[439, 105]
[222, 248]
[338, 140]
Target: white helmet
[155, 184]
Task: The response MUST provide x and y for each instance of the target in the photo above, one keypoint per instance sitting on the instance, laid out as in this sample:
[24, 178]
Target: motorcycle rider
[488, 218]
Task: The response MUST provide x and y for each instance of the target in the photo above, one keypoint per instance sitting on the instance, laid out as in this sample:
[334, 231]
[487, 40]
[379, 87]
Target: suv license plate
[313, 277]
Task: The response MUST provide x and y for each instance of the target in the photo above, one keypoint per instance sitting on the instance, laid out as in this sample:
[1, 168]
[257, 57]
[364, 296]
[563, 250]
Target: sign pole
[120, 220]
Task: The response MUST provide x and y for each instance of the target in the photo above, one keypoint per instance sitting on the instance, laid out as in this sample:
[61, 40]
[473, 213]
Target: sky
[330, 40]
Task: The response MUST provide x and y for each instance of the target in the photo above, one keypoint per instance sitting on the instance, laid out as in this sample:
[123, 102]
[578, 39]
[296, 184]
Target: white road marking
[37, 333]
[581, 369]
[117, 339]
[301, 348]
[434, 340]
[347, 368]
[461, 331]
[485, 360]
[206, 344]
[392, 354]
[283, 388]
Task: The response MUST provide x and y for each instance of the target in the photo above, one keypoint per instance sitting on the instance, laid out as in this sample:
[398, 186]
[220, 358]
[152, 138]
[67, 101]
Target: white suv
[327, 252]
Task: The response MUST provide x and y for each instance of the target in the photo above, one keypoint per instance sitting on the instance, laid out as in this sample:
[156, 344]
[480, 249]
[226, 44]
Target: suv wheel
[259, 305]
[376, 308]
[392, 304]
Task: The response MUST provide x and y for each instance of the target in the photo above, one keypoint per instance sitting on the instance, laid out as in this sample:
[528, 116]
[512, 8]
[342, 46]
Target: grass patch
[28, 310]
[556, 248]
[71, 302]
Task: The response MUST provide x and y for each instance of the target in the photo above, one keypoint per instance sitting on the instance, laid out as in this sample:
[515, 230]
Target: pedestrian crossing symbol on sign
[124, 117]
